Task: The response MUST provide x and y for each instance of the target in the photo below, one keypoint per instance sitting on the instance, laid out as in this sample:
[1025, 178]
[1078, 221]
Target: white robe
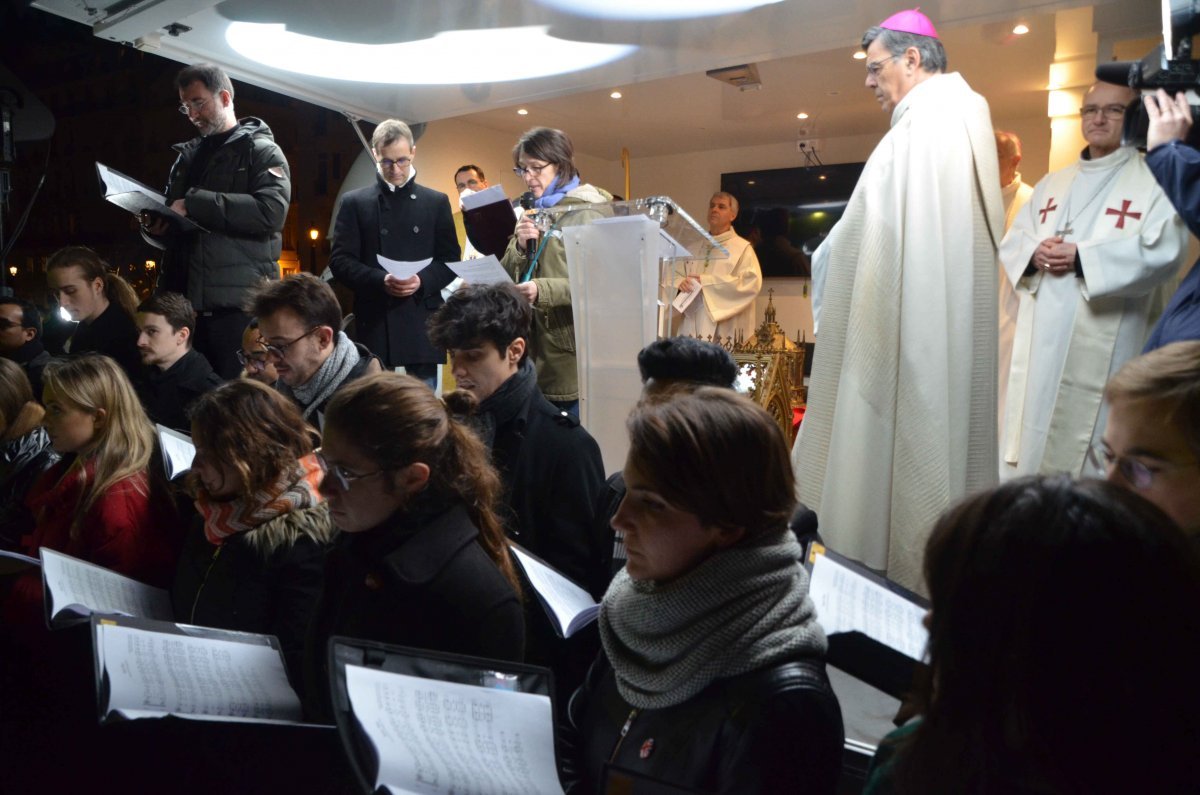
[901, 418]
[1016, 194]
[1074, 333]
[728, 287]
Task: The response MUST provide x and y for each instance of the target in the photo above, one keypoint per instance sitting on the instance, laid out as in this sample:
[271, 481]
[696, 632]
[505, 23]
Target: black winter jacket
[775, 730]
[114, 334]
[242, 199]
[22, 460]
[167, 394]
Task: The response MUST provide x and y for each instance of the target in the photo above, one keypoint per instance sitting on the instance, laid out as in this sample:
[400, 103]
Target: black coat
[419, 580]
[409, 224]
[774, 730]
[114, 334]
[167, 394]
[33, 358]
[22, 461]
[265, 580]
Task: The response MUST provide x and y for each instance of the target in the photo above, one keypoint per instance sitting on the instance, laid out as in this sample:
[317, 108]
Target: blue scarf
[554, 194]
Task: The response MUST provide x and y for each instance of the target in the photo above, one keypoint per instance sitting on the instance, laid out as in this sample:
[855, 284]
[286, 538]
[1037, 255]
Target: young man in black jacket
[173, 374]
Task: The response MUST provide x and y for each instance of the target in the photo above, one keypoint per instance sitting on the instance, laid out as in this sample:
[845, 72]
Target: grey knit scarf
[742, 609]
[327, 379]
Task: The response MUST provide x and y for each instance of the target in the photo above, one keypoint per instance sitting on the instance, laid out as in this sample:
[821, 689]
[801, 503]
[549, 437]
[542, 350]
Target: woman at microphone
[544, 158]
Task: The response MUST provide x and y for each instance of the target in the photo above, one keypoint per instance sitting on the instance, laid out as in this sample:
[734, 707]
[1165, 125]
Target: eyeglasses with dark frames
[279, 350]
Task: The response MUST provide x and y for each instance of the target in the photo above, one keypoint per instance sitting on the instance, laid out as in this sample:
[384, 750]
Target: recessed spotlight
[1021, 29]
[859, 55]
[615, 95]
[801, 115]
[522, 112]
[821, 177]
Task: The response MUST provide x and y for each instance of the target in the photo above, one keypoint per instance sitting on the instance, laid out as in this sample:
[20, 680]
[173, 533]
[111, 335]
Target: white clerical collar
[393, 188]
[1118, 157]
[721, 238]
[1010, 190]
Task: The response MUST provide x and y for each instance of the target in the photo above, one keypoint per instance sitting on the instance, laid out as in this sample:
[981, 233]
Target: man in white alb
[901, 418]
[727, 285]
[1091, 257]
[1015, 193]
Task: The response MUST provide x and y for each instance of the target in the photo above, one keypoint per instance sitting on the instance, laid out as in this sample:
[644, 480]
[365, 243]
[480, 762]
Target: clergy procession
[387, 550]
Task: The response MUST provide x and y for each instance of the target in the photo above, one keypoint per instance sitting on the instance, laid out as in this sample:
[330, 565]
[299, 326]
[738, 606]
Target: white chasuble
[1016, 194]
[728, 287]
[1074, 332]
[901, 418]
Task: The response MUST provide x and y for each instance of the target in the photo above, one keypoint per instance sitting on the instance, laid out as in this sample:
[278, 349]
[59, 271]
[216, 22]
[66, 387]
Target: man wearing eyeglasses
[234, 181]
[398, 219]
[21, 339]
[1091, 257]
[901, 418]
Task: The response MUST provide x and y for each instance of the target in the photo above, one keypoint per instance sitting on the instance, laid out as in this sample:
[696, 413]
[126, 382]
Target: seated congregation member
[253, 356]
[255, 559]
[21, 339]
[103, 502]
[549, 465]
[422, 560]
[173, 374]
[102, 302]
[545, 159]
[25, 452]
[300, 322]
[712, 677]
[1152, 441]
[1059, 612]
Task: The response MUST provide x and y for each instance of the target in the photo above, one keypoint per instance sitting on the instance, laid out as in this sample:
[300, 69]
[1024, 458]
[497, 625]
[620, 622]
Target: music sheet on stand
[153, 673]
[849, 602]
[435, 737]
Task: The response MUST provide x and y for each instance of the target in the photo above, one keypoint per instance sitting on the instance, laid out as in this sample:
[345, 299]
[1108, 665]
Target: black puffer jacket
[22, 460]
[774, 730]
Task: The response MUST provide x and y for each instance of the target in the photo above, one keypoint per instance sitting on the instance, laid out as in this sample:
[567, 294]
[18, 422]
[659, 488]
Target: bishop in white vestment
[901, 418]
[1092, 258]
[727, 285]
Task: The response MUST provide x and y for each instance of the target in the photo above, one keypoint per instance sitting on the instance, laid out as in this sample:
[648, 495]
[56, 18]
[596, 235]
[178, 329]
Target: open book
[569, 607]
[875, 626]
[177, 450]
[131, 195]
[74, 589]
[419, 721]
[151, 669]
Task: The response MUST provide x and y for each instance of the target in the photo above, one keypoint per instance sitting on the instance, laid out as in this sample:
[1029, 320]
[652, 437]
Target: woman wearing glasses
[544, 159]
[422, 560]
[255, 559]
[256, 362]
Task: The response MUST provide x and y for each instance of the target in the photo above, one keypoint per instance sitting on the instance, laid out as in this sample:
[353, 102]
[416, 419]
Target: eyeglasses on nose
[1111, 112]
[522, 171]
[278, 350]
[343, 477]
[400, 162]
[193, 106]
[875, 67]
[248, 360]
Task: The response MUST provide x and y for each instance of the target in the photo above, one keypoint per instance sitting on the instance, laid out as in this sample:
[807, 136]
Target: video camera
[1181, 21]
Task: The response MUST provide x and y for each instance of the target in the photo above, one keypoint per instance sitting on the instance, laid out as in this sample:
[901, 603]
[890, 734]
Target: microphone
[527, 204]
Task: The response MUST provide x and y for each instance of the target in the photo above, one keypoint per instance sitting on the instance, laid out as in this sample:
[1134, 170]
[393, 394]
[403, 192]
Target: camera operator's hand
[1170, 119]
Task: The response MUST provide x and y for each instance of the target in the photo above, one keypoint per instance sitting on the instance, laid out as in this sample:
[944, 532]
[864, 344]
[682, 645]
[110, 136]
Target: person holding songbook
[1061, 612]
[712, 677]
[255, 559]
[422, 560]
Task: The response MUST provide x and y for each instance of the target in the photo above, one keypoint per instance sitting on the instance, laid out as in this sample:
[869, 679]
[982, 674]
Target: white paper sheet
[86, 588]
[848, 602]
[177, 450]
[402, 270]
[567, 601]
[153, 673]
[477, 199]
[115, 182]
[684, 300]
[483, 270]
[442, 737]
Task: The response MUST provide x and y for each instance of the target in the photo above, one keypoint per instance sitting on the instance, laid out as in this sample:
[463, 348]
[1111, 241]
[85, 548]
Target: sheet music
[565, 599]
[492, 195]
[484, 270]
[115, 182]
[848, 602]
[402, 270]
[177, 450]
[443, 737]
[154, 673]
[71, 581]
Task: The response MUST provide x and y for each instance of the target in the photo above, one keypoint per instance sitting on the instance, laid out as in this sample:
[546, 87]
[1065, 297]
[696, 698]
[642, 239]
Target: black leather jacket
[774, 730]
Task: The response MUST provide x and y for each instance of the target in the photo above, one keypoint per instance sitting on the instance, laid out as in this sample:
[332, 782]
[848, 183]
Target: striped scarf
[294, 491]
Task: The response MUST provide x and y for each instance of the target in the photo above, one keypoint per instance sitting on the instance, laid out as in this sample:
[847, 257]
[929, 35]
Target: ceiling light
[662, 9]
[821, 177]
[749, 182]
[859, 55]
[450, 58]
[522, 112]
[615, 95]
[1021, 29]
[801, 115]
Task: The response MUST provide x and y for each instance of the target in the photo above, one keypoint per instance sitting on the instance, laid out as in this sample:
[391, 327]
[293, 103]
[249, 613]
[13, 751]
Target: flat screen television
[786, 212]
